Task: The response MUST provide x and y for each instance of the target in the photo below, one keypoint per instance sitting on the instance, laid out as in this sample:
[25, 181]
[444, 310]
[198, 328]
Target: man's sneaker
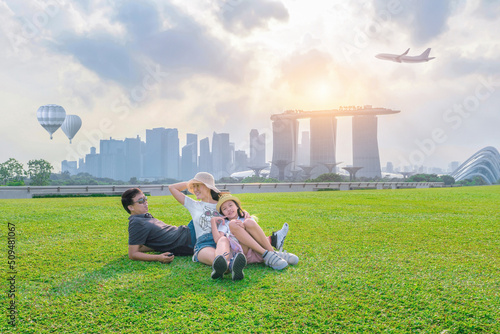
[274, 261]
[219, 267]
[236, 265]
[278, 238]
[289, 257]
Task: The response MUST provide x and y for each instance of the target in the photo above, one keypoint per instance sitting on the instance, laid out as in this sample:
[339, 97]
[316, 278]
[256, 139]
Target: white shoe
[274, 261]
[289, 257]
[278, 238]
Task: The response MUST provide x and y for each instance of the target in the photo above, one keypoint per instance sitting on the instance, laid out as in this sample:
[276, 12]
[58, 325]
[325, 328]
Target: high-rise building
[221, 155]
[365, 146]
[153, 168]
[453, 166]
[161, 154]
[304, 150]
[133, 157]
[171, 157]
[93, 163]
[240, 161]
[389, 167]
[112, 153]
[189, 158]
[69, 166]
[323, 138]
[205, 160]
[285, 136]
[257, 148]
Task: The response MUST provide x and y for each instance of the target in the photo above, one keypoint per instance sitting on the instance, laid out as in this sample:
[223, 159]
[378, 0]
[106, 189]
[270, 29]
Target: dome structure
[484, 163]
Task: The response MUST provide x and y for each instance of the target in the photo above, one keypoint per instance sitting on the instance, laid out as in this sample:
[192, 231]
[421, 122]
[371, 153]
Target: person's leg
[223, 249]
[258, 234]
[270, 257]
[206, 255]
[245, 238]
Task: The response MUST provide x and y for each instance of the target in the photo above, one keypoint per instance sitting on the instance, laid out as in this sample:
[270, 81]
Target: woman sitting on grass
[206, 250]
[202, 210]
[246, 237]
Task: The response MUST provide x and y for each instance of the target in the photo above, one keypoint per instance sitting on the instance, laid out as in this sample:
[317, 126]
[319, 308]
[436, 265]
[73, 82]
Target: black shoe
[219, 267]
[236, 265]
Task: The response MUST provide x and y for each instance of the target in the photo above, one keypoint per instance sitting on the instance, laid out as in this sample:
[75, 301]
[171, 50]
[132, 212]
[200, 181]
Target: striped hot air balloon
[71, 125]
[51, 116]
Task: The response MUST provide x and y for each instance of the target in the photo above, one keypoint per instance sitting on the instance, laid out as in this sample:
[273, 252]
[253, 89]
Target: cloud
[424, 20]
[183, 47]
[243, 16]
[488, 9]
[104, 55]
[302, 69]
[139, 18]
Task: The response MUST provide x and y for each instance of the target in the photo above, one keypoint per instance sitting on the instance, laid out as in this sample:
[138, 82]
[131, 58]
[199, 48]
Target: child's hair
[240, 210]
[128, 197]
[225, 197]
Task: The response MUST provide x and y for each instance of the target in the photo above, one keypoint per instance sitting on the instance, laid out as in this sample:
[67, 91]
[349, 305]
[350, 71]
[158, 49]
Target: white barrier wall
[235, 188]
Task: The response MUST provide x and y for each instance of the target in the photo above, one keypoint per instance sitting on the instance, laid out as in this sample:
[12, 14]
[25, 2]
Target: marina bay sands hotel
[323, 139]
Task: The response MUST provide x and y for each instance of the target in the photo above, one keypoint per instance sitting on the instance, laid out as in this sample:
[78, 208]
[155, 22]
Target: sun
[321, 91]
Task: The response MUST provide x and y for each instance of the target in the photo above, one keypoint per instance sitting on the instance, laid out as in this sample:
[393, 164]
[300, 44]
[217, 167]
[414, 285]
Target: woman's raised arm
[176, 191]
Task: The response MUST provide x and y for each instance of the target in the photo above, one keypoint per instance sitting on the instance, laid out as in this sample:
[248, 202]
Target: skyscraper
[189, 158]
[285, 136]
[93, 163]
[221, 155]
[133, 158]
[171, 157]
[153, 159]
[257, 148]
[69, 166]
[161, 154]
[323, 136]
[205, 162]
[112, 154]
[240, 161]
[304, 150]
[365, 146]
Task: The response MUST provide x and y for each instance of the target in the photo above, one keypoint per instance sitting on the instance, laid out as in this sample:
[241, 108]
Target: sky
[227, 65]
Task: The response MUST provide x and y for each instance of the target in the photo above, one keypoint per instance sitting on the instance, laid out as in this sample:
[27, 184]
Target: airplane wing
[398, 58]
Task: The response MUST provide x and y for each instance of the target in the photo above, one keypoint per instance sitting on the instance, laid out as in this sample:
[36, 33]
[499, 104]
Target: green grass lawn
[372, 261]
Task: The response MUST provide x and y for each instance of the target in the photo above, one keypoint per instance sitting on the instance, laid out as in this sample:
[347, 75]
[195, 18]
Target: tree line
[39, 173]
[13, 173]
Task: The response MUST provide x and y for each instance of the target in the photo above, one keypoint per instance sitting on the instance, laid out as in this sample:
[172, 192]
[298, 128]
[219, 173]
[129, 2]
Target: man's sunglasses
[142, 200]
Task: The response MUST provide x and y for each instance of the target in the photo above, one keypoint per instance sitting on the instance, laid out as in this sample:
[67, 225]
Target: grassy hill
[374, 261]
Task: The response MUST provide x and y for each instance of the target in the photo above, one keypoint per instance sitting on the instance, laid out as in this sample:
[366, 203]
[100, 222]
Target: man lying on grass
[148, 234]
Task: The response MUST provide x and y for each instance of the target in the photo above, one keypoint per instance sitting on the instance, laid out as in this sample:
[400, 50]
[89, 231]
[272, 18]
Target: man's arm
[136, 252]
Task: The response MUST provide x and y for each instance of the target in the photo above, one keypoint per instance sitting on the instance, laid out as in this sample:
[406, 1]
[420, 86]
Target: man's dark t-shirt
[145, 230]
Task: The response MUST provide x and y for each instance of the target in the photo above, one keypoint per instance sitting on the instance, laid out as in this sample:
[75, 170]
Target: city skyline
[227, 66]
[161, 157]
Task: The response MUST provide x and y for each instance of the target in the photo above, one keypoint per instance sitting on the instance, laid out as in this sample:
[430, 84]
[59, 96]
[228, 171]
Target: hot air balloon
[51, 116]
[71, 125]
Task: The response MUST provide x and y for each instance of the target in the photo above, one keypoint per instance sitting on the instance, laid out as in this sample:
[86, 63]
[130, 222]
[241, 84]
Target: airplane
[403, 58]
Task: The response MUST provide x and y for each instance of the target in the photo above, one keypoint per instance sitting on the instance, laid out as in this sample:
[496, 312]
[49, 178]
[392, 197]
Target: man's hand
[166, 257]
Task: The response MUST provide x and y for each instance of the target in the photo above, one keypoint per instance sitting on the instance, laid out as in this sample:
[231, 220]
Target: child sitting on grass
[246, 237]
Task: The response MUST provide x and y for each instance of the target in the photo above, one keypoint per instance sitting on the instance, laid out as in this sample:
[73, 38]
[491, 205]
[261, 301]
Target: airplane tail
[425, 54]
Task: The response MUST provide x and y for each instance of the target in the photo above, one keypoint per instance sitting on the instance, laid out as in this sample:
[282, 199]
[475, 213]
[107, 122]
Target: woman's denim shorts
[206, 240]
